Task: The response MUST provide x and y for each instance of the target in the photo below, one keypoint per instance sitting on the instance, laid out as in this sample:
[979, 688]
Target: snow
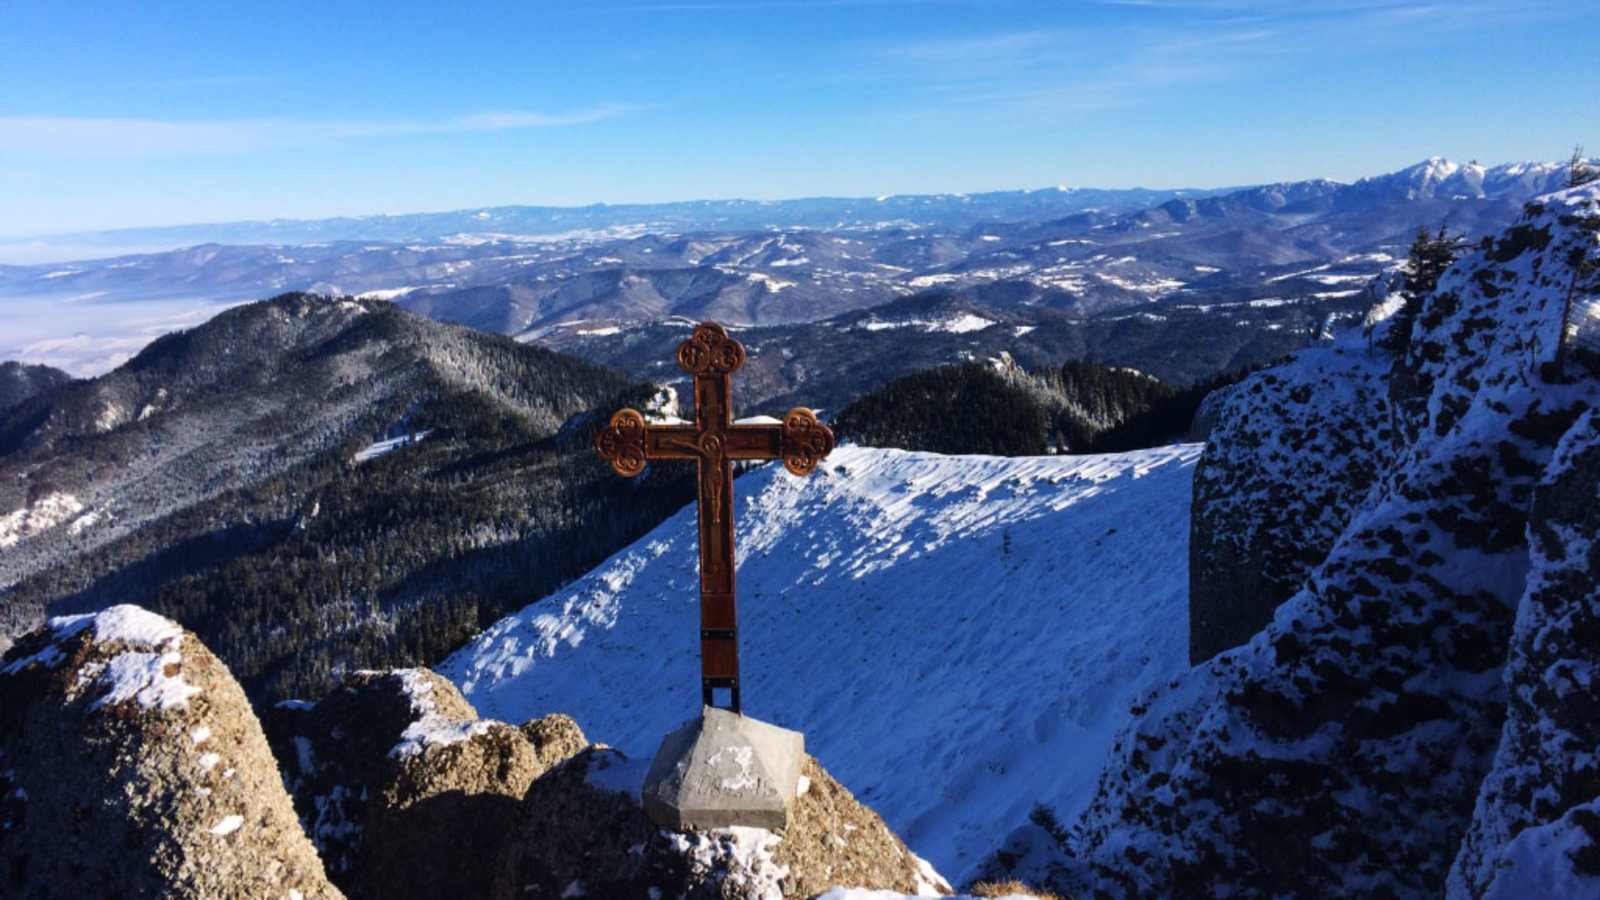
[387, 293]
[430, 729]
[44, 513]
[745, 854]
[142, 677]
[869, 894]
[136, 626]
[1539, 862]
[950, 704]
[962, 324]
[228, 825]
[139, 672]
[383, 448]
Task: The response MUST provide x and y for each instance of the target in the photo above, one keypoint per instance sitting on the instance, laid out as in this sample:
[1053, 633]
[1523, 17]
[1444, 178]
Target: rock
[131, 765]
[1535, 831]
[583, 829]
[1340, 752]
[405, 790]
[554, 737]
[1291, 454]
[723, 769]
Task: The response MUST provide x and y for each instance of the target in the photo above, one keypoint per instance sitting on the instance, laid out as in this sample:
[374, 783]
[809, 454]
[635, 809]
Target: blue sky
[116, 115]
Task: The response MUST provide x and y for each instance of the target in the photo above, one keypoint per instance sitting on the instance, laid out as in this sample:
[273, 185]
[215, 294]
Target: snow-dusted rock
[1292, 452]
[404, 789]
[1548, 764]
[584, 833]
[131, 765]
[1340, 752]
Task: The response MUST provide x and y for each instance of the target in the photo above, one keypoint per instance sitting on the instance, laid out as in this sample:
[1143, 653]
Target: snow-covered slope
[957, 636]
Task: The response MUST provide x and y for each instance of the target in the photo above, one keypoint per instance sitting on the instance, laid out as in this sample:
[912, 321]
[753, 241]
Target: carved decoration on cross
[714, 442]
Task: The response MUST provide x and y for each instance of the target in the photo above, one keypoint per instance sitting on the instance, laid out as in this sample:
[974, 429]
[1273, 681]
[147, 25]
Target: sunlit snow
[957, 636]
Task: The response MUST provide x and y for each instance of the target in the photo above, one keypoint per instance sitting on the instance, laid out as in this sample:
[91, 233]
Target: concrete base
[724, 769]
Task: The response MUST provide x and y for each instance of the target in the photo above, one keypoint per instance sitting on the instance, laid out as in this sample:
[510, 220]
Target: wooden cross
[714, 442]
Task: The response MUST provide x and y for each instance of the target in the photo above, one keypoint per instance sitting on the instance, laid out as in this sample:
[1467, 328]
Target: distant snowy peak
[1438, 178]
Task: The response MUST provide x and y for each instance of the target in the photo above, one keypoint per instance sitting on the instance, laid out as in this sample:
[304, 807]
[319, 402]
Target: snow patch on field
[950, 704]
[961, 324]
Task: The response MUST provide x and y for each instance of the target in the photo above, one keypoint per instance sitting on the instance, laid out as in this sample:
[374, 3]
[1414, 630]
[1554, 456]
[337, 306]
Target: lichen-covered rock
[405, 790]
[555, 737]
[1536, 831]
[131, 765]
[1291, 455]
[1340, 752]
[584, 833]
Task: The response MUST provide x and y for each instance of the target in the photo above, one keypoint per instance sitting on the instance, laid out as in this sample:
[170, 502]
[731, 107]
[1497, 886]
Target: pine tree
[1429, 257]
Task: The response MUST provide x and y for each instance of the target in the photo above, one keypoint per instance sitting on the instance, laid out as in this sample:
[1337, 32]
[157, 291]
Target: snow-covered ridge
[950, 703]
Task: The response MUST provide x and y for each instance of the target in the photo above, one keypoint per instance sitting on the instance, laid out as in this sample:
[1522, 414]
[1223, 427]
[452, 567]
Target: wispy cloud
[672, 6]
[1069, 70]
[109, 138]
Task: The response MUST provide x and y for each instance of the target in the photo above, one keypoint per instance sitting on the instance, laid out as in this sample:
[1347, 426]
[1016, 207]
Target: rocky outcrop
[403, 788]
[1536, 829]
[131, 765]
[554, 737]
[583, 832]
[1340, 752]
[1291, 453]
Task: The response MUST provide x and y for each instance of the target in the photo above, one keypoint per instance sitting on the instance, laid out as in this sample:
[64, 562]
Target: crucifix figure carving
[714, 442]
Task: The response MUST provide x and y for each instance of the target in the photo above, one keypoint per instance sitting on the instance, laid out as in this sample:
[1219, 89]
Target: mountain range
[1078, 251]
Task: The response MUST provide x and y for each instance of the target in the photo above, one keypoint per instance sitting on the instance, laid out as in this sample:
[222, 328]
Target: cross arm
[800, 441]
[628, 442]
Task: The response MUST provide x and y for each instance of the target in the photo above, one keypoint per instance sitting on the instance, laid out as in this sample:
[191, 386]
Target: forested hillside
[998, 408]
[19, 382]
[236, 478]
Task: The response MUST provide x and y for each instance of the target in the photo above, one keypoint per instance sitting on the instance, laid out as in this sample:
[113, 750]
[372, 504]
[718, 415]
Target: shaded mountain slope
[235, 477]
[19, 382]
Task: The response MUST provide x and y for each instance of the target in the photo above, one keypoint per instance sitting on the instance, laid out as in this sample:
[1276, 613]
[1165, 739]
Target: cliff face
[1536, 828]
[1293, 451]
[1431, 564]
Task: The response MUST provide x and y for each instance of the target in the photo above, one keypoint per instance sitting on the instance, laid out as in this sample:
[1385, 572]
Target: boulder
[131, 764]
[584, 832]
[404, 789]
[555, 737]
